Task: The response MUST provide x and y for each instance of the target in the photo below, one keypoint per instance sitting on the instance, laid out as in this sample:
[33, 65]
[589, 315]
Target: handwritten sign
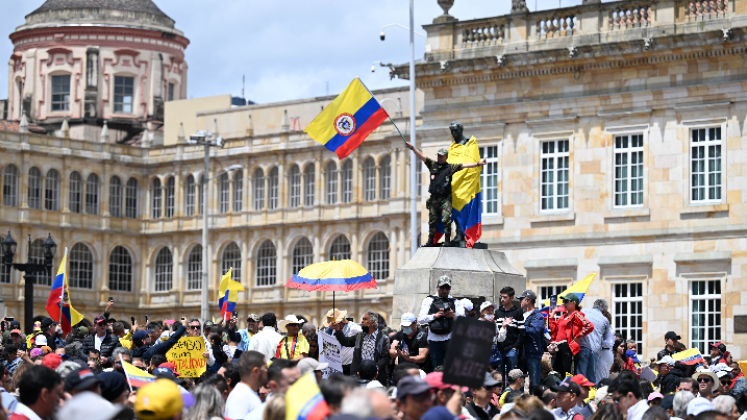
[469, 350]
[330, 351]
[186, 355]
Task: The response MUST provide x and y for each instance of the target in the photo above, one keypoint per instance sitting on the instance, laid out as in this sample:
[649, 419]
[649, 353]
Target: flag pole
[125, 370]
[395, 126]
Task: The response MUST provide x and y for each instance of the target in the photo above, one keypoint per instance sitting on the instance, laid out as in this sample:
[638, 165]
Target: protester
[481, 408]
[349, 329]
[582, 407]
[439, 312]
[309, 364]
[622, 361]
[534, 341]
[608, 412]
[550, 378]
[244, 398]
[230, 372]
[515, 383]
[101, 340]
[294, 345]
[411, 345]
[82, 380]
[266, 341]
[8, 401]
[626, 392]
[717, 353]
[698, 405]
[680, 403]
[334, 389]
[549, 400]
[12, 358]
[414, 398]
[245, 335]
[567, 397]
[654, 399]
[49, 330]
[369, 344]
[281, 374]
[591, 344]
[671, 341]
[566, 333]
[509, 348]
[209, 403]
[40, 390]
[688, 384]
[160, 348]
[707, 383]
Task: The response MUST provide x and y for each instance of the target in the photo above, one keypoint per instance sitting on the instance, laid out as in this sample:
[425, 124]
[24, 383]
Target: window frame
[169, 198]
[629, 151]
[331, 183]
[78, 268]
[10, 188]
[131, 198]
[259, 186]
[298, 260]
[34, 188]
[238, 191]
[309, 185]
[369, 179]
[722, 158]
[61, 99]
[716, 278]
[268, 279]
[93, 192]
[628, 313]
[36, 256]
[555, 156]
[273, 187]
[52, 190]
[385, 178]
[491, 161]
[190, 207]
[346, 182]
[159, 278]
[294, 187]
[156, 197]
[194, 268]
[338, 250]
[224, 193]
[115, 96]
[115, 196]
[383, 264]
[75, 193]
[120, 270]
[231, 257]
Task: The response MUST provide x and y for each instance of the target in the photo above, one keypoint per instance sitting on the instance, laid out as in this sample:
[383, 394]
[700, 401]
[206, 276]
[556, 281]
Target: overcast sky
[288, 49]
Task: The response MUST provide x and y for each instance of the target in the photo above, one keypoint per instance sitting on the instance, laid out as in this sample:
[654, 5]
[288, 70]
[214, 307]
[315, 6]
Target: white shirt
[636, 412]
[257, 413]
[97, 341]
[209, 350]
[241, 401]
[425, 318]
[26, 411]
[265, 342]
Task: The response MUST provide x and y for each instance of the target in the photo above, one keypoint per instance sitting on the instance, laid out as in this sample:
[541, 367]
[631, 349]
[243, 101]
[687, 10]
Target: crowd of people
[580, 370]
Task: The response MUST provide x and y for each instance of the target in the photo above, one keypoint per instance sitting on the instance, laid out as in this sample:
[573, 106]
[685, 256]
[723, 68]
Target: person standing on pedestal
[439, 313]
[439, 203]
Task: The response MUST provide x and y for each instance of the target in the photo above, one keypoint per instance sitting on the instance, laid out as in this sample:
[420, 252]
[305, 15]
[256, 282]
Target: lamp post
[31, 270]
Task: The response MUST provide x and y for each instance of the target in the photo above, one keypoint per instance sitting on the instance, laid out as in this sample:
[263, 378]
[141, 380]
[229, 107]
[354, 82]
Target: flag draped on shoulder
[228, 294]
[304, 400]
[59, 306]
[466, 196]
[348, 120]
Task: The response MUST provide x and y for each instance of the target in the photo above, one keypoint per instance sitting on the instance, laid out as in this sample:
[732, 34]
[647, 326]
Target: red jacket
[577, 328]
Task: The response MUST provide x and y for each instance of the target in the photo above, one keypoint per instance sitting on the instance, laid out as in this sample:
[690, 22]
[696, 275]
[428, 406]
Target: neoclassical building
[616, 144]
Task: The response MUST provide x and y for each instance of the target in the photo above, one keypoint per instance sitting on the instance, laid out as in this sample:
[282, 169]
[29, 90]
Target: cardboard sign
[469, 351]
[186, 355]
[330, 351]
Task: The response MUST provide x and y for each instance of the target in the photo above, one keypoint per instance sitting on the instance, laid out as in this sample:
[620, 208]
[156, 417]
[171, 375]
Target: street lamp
[30, 269]
[413, 161]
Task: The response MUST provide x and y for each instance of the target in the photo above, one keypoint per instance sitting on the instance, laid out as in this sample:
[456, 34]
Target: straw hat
[339, 316]
[712, 375]
[290, 319]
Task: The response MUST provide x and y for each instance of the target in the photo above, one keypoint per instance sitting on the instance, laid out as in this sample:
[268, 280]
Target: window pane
[60, 93]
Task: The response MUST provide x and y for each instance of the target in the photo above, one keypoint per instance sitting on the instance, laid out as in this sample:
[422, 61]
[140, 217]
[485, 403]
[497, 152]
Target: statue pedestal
[473, 272]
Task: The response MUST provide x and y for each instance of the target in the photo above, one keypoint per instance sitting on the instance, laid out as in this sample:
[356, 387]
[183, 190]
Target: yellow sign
[743, 365]
[186, 355]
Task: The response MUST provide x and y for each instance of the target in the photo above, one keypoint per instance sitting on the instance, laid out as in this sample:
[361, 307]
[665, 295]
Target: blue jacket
[534, 325]
[164, 347]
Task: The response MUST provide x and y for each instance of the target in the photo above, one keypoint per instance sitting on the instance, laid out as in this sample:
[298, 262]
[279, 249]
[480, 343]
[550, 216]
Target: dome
[146, 6]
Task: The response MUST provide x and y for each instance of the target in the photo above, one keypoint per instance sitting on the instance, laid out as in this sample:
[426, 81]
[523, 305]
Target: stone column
[318, 180]
[357, 172]
[267, 188]
[179, 203]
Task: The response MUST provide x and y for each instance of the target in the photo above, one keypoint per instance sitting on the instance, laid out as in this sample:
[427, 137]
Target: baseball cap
[527, 294]
[698, 405]
[567, 386]
[667, 402]
[88, 405]
[489, 381]
[47, 322]
[601, 394]
[15, 331]
[582, 381]
[99, 318]
[159, 400]
[654, 395]
[40, 340]
[35, 352]
[443, 152]
[10, 348]
[671, 335]
[83, 330]
[252, 317]
[411, 385]
[52, 360]
[486, 305]
[140, 335]
[666, 360]
[436, 381]
[15, 324]
[572, 297]
[113, 385]
[308, 364]
[720, 346]
[164, 373]
[444, 281]
[208, 324]
[80, 379]
[407, 319]
[169, 365]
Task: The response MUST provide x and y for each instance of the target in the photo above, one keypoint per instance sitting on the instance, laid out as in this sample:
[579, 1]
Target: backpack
[440, 180]
[441, 325]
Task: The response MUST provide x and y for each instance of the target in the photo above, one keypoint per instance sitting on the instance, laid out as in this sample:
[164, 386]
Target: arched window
[189, 196]
[238, 191]
[266, 264]
[378, 256]
[309, 185]
[4, 271]
[155, 206]
[385, 178]
[340, 249]
[170, 191]
[120, 270]
[164, 270]
[259, 189]
[80, 267]
[231, 258]
[115, 197]
[194, 268]
[224, 193]
[131, 199]
[37, 257]
[201, 191]
[303, 255]
[369, 179]
[330, 183]
[52, 191]
[294, 189]
[35, 188]
[92, 194]
[347, 181]
[273, 187]
[76, 192]
[10, 186]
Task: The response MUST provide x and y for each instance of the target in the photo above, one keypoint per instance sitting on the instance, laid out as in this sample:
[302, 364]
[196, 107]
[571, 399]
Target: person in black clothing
[671, 339]
[163, 347]
[669, 374]
[49, 329]
[103, 339]
[481, 407]
[411, 345]
[140, 343]
[509, 347]
[369, 344]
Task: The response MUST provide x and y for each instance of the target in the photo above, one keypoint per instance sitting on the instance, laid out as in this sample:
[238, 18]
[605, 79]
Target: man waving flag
[59, 306]
[228, 294]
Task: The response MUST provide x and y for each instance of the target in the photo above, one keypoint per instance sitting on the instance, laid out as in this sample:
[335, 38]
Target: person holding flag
[59, 306]
[566, 333]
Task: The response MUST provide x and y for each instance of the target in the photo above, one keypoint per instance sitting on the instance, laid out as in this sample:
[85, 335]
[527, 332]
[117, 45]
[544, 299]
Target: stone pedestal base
[473, 272]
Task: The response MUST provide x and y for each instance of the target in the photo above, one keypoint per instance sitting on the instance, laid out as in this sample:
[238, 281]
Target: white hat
[407, 319]
[714, 377]
[466, 304]
[666, 359]
[487, 304]
[721, 367]
[89, 406]
[40, 340]
[290, 319]
[698, 405]
[307, 364]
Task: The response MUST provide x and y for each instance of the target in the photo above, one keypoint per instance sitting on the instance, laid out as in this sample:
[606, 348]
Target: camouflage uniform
[439, 206]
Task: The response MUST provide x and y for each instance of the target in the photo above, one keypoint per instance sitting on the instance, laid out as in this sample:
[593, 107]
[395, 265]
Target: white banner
[330, 351]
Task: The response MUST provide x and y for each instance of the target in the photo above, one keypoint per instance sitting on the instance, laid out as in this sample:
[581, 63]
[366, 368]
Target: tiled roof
[146, 6]
[14, 126]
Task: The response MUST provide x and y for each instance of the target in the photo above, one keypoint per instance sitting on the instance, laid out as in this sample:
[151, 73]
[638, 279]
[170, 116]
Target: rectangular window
[123, 94]
[489, 180]
[706, 164]
[705, 315]
[629, 171]
[627, 302]
[61, 93]
[546, 291]
[554, 182]
[170, 93]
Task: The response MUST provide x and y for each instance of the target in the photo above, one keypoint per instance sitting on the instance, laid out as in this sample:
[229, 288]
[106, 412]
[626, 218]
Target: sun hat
[290, 319]
[712, 375]
[336, 316]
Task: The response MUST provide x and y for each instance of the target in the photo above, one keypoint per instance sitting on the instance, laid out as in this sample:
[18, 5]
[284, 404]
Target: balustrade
[706, 9]
[555, 26]
[482, 35]
[633, 16]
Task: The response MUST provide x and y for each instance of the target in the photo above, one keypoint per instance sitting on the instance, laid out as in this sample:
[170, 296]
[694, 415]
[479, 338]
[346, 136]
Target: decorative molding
[553, 135]
[551, 119]
[626, 260]
[550, 263]
[620, 129]
[688, 257]
[704, 122]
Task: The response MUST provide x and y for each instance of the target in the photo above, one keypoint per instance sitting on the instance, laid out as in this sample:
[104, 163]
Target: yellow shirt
[286, 347]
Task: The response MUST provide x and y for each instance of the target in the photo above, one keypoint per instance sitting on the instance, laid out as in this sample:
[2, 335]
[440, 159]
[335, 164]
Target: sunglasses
[726, 382]
[194, 327]
[102, 324]
[704, 380]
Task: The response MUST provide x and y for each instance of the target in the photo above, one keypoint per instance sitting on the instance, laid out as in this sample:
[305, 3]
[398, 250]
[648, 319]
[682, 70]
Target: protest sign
[469, 350]
[330, 351]
[186, 355]
[648, 374]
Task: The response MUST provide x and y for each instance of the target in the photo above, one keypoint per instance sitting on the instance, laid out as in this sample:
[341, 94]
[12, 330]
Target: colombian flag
[348, 120]
[229, 294]
[579, 289]
[466, 199]
[136, 377]
[59, 297]
[304, 400]
[688, 357]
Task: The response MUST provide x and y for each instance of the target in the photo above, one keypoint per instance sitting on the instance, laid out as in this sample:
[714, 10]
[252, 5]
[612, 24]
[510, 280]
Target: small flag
[59, 300]
[688, 357]
[304, 400]
[229, 294]
[137, 377]
[348, 120]
[580, 288]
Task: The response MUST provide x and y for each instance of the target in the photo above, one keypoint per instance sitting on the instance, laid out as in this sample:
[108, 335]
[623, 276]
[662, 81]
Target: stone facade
[617, 141]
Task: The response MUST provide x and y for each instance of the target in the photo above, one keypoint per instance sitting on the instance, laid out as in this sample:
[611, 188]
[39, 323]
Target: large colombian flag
[348, 120]
[466, 198]
[304, 400]
[59, 299]
[228, 293]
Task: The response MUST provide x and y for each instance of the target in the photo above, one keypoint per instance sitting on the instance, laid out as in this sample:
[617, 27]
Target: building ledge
[686, 257]
[554, 217]
[556, 263]
[704, 208]
[627, 213]
[627, 260]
